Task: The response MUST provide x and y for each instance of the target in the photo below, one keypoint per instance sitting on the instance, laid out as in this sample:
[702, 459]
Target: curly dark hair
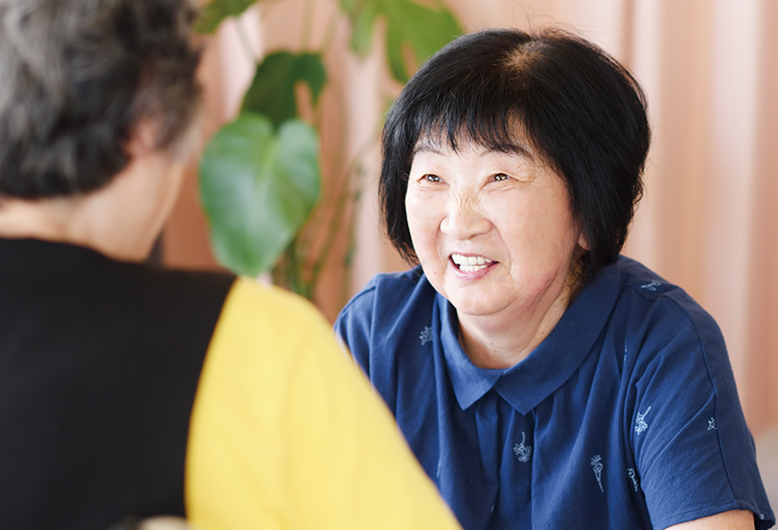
[77, 76]
[582, 111]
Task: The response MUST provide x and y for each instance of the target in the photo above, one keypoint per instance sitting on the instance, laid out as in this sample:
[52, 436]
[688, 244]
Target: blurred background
[709, 217]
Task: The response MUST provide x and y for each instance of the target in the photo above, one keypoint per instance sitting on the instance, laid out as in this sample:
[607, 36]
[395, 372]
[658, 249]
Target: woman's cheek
[424, 207]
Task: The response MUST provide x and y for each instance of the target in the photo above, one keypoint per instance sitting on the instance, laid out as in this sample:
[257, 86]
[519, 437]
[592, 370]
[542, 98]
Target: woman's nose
[464, 218]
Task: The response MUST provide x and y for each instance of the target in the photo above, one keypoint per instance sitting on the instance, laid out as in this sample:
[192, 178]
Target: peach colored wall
[709, 218]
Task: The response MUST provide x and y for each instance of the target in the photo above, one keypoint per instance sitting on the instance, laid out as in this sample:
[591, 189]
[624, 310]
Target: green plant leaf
[212, 14]
[362, 28]
[349, 6]
[423, 30]
[272, 92]
[257, 187]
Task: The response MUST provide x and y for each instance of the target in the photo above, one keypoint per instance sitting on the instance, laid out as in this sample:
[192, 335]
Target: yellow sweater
[286, 432]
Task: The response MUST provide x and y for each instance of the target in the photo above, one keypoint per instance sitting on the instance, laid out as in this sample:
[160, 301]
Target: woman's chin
[481, 304]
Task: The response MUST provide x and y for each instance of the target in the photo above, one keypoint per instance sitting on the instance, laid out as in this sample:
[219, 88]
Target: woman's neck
[502, 341]
[79, 220]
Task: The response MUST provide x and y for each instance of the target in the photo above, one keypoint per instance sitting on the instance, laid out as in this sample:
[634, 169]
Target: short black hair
[76, 78]
[582, 111]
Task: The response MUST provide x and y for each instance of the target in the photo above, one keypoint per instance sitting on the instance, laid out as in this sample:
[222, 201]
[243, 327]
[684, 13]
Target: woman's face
[493, 230]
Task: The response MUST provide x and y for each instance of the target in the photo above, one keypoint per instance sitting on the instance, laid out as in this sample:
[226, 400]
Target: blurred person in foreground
[542, 380]
[127, 390]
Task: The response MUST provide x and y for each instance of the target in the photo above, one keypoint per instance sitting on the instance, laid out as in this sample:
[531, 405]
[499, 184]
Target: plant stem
[344, 196]
[244, 40]
[305, 37]
[329, 35]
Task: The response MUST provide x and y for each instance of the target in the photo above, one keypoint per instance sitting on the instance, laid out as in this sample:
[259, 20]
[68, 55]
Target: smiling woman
[494, 234]
[541, 378]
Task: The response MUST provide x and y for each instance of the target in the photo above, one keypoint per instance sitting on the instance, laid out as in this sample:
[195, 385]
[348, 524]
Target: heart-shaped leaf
[272, 92]
[422, 30]
[258, 185]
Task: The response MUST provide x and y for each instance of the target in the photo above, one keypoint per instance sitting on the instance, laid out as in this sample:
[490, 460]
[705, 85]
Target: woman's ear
[143, 140]
[582, 241]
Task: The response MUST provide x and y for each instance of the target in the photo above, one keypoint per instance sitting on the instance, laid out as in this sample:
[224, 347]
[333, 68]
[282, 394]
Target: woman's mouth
[470, 263]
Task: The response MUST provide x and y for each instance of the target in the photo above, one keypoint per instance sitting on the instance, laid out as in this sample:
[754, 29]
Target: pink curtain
[710, 212]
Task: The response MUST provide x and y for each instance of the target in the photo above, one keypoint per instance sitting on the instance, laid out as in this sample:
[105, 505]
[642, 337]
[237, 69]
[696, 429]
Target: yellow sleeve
[286, 433]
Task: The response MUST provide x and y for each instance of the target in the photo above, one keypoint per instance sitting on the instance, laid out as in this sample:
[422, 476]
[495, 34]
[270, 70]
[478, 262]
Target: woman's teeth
[470, 263]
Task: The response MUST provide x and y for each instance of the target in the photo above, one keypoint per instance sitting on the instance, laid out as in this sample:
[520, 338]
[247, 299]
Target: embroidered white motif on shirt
[633, 477]
[640, 422]
[712, 424]
[426, 335]
[522, 451]
[597, 468]
[651, 286]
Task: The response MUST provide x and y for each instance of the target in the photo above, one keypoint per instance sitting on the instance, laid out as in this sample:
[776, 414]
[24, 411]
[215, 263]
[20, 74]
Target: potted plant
[260, 175]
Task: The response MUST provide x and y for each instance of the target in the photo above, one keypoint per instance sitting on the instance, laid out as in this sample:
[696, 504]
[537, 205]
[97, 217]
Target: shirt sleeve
[693, 450]
[286, 432]
[353, 327]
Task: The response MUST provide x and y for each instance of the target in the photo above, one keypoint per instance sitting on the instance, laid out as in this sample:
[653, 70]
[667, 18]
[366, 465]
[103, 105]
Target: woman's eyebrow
[514, 148]
[426, 145]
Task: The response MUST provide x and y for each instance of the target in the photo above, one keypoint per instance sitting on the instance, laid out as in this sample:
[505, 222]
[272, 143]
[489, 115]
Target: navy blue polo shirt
[625, 416]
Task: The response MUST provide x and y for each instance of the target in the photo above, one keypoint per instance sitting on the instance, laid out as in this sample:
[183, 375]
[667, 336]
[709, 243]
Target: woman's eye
[431, 178]
[500, 176]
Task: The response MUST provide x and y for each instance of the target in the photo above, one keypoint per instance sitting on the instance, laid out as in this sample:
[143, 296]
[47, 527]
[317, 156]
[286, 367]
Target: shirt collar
[470, 382]
[548, 366]
[34, 257]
